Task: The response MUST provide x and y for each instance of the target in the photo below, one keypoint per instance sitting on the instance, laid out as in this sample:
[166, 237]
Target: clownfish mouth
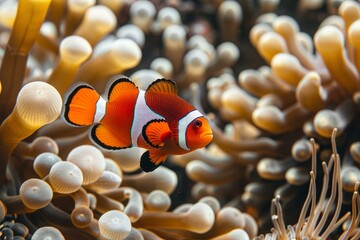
[206, 137]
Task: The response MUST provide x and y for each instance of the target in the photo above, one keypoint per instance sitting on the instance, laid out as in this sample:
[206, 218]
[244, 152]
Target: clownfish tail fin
[81, 105]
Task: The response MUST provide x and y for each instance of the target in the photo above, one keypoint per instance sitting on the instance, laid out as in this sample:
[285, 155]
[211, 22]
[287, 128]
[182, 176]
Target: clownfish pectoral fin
[162, 85]
[80, 105]
[105, 139]
[119, 86]
[151, 160]
[155, 132]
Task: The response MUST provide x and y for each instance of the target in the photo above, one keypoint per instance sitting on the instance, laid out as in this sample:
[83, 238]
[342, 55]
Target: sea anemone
[278, 81]
[315, 224]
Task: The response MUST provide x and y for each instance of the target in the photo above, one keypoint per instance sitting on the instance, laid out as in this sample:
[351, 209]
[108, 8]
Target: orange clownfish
[156, 119]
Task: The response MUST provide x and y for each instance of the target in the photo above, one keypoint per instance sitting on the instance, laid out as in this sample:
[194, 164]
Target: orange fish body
[155, 119]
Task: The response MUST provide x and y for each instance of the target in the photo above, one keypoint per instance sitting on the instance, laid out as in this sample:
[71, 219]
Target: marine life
[274, 78]
[156, 119]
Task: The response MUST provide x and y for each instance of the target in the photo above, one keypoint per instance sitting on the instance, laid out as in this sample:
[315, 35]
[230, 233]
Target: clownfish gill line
[100, 109]
[183, 124]
[142, 115]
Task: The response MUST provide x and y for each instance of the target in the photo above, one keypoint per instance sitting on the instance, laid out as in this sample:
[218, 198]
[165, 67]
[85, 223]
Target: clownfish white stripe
[100, 110]
[183, 124]
[142, 115]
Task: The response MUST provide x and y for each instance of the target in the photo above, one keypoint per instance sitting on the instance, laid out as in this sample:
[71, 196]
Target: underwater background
[278, 80]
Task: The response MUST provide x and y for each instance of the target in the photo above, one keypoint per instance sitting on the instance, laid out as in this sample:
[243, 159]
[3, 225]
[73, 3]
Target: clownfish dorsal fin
[120, 85]
[155, 132]
[162, 86]
[105, 139]
[152, 159]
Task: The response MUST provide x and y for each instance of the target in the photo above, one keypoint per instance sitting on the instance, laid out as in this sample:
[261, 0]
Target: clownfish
[156, 119]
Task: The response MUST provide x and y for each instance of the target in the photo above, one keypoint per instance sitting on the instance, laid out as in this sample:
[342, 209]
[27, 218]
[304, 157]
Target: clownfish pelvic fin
[152, 159]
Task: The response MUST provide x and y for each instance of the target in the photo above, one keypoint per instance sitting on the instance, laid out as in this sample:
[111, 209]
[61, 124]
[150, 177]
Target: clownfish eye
[197, 123]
